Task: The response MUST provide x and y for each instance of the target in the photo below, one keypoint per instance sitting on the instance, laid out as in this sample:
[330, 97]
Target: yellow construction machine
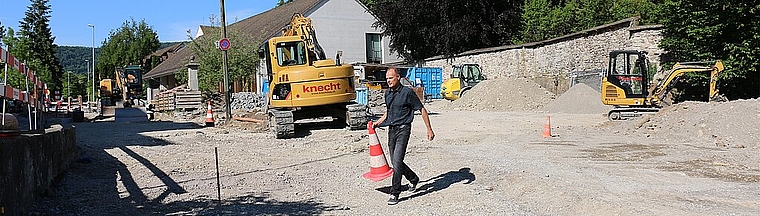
[463, 78]
[126, 86]
[625, 83]
[304, 84]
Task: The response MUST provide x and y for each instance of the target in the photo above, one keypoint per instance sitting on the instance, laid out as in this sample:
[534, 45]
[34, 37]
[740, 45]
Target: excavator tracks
[356, 116]
[281, 123]
[619, 113]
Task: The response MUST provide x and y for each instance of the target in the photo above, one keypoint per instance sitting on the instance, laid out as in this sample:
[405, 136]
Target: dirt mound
[579, 99]
[502, 94]
[725, 124]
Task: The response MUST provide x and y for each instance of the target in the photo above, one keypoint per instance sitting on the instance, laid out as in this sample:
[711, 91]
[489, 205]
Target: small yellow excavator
[304, 84]
[626, 80]
[463, 78]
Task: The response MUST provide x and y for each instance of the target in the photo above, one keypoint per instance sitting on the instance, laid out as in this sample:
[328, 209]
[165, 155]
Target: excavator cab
[626, 80]
[463, 78]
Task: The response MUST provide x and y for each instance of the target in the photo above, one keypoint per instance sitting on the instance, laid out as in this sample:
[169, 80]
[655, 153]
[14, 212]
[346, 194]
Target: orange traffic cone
[209, 116]
[378, 166]
[547, 128]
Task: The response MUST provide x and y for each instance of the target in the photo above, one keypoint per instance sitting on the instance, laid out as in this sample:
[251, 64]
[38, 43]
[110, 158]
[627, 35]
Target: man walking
[401, 102]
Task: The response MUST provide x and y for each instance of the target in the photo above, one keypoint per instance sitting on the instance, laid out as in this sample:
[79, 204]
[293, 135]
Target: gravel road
[481, 163]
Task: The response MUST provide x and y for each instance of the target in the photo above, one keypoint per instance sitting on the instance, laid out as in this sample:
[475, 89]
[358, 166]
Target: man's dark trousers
[398, 138]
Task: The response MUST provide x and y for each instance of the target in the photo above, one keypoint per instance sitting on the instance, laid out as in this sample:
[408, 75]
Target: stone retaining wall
[559, 57]
[30, 163]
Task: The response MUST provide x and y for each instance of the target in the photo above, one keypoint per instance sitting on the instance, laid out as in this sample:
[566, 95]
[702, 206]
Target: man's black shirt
[401, 104]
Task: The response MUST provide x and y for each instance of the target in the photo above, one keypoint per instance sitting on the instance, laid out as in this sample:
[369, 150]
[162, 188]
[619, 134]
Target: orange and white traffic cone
[378, 166]
[547, 128]
[209, 116]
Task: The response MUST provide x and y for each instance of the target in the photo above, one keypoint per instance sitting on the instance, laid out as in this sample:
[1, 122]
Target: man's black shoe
[393, 200]
[412, 186]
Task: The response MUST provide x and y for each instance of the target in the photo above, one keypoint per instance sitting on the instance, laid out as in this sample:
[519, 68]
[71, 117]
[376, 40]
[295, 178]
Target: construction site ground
[693, 158]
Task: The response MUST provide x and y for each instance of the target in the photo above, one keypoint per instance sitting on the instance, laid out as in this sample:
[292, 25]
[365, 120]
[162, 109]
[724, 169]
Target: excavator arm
[682, 68]
[301, 26]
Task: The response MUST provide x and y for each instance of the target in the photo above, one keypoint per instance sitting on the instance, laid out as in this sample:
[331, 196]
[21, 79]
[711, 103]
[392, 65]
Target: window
[291, 53]
[374, 48]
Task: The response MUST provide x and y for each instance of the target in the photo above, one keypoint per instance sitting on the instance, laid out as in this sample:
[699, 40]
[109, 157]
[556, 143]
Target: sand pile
[579, 99]
[720, 124]
[502, 94]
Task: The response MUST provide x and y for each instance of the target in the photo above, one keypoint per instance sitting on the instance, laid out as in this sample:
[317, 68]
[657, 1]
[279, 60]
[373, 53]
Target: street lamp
[68, 84]
[87, 62]
[93, 60]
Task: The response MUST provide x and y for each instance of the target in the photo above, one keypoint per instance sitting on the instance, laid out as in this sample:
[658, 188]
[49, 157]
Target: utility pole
[224, 66]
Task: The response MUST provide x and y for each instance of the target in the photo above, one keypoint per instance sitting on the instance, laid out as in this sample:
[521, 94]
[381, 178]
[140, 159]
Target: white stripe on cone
[377, 161]
[374, 140]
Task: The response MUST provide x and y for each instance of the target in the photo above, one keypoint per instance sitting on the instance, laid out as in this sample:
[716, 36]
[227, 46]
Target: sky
[171, 19]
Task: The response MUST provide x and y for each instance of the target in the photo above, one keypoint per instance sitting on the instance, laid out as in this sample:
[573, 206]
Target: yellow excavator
[304, 84]
[463, 78]
[626, 80]
[124, 88]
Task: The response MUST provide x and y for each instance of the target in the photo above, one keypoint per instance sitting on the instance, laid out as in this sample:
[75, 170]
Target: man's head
[392, 77]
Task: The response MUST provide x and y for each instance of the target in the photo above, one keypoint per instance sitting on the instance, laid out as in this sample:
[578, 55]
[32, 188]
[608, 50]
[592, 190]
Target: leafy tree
[15, 78]
[129, 44]
[243, 59]
[711, 30]
[419, 29]
[36, 44]
[545, 19]
[282, 2]
[74, 85]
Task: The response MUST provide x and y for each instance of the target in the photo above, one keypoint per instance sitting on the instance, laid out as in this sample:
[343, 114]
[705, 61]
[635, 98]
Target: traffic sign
[224, 44]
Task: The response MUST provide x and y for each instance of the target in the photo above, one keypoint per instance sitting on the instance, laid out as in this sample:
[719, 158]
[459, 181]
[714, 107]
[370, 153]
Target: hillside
[73, 58]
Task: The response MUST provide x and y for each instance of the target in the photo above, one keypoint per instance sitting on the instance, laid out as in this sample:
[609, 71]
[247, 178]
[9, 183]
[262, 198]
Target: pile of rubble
[502, 94]
[719, 124]
[249, 101]
[579, 99]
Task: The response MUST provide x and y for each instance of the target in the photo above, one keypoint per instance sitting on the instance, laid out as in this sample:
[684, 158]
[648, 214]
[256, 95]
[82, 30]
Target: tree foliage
[710, 30]
[35, 45]
[243, 59]
[545, 19]
[419, 29]
[129, 44]
[15, 78]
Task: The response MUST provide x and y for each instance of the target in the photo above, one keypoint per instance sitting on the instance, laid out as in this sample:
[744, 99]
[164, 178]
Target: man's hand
[430, 135]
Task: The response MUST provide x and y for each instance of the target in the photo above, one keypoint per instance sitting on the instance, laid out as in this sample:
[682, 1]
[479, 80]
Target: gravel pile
[250, 101]
[579, 99]
[502, 94]
[718, 124]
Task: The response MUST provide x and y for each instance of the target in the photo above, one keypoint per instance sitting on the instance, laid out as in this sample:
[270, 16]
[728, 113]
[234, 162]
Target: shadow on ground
[91, 186]
[437, 183]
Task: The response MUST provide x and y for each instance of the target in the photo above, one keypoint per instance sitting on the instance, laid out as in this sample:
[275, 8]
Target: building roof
[266, 24]
[173, 63]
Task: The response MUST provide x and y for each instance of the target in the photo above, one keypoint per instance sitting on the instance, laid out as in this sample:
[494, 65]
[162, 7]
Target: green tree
[545, 19]
[419, 29]
[36, 46]
[73, 85]
[243, 59]
[129, 44]
[15, 78]
[711, 30]
[282, 2]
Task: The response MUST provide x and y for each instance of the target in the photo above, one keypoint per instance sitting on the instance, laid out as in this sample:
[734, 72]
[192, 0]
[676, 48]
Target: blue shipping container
[428, 77]
[362, 95]
[265, 86]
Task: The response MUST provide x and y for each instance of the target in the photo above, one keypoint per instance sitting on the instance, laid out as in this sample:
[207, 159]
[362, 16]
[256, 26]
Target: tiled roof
[175, 61]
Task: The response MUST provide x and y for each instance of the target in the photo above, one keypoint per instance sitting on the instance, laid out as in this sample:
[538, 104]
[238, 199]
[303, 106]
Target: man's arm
[426, 119]
[381, 120]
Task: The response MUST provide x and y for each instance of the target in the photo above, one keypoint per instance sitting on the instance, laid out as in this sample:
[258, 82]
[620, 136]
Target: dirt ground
[481, 163]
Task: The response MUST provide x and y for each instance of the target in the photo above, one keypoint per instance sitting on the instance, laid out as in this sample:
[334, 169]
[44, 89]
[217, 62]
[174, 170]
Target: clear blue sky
[169, 18]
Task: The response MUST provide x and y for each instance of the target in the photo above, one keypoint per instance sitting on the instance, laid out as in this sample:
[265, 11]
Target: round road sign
[224, 44]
